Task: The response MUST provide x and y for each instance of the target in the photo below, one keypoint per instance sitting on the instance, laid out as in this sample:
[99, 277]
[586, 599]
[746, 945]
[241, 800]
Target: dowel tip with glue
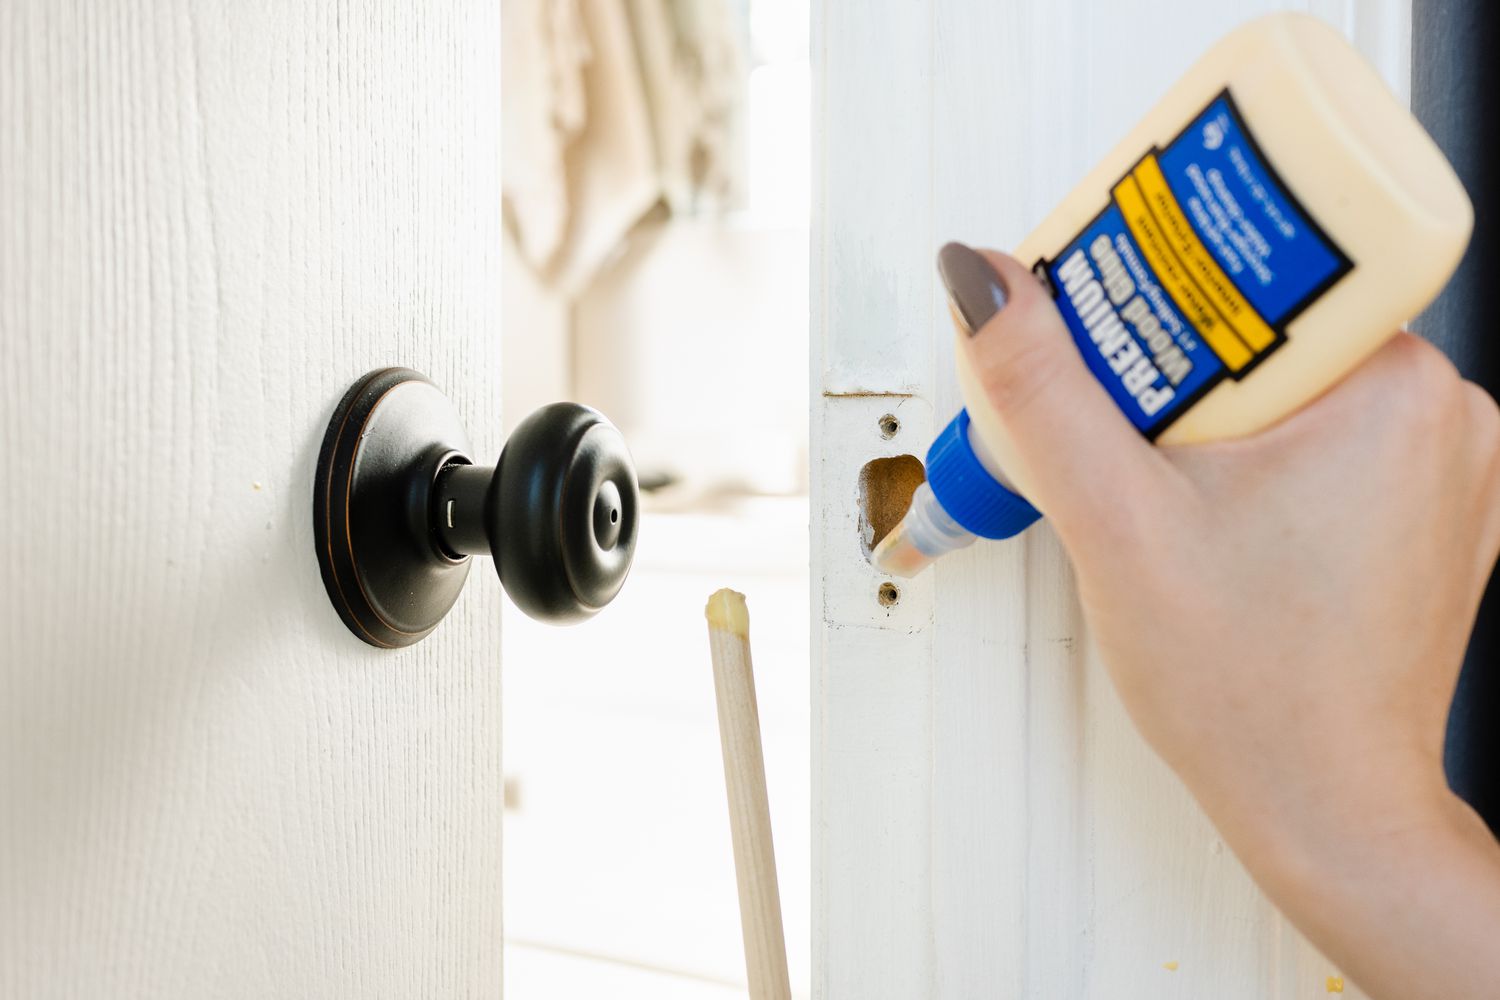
[726, 609]
[749, 807]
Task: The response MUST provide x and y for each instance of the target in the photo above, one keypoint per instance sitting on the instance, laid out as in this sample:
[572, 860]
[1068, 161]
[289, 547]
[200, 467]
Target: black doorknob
[400, 507]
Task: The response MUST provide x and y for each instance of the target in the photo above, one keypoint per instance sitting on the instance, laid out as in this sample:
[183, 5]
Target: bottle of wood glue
[1273, 220]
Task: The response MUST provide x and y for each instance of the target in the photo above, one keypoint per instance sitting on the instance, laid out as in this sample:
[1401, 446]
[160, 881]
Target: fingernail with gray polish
[974, 288]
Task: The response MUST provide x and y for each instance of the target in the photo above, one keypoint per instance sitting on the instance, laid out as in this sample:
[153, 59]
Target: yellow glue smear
[726, 610]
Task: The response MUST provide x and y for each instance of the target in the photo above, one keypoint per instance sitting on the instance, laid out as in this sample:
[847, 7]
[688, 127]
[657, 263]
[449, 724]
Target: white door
[214, 216]
[986, 821]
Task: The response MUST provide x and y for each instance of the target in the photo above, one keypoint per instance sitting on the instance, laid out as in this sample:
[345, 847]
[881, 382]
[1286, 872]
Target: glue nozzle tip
[898, 555]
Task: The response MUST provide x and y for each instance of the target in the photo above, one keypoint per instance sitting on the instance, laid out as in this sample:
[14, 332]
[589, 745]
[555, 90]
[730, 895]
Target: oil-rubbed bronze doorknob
[399, 508]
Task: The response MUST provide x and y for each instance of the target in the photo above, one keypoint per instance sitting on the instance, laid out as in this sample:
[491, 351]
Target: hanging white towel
[612, 107]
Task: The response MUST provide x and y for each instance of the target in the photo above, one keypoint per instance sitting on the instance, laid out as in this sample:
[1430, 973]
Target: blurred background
[656, 169]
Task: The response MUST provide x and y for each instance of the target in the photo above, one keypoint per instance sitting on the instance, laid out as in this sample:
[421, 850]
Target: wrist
[1403, 897]
[1337, 825]
[1295, 812]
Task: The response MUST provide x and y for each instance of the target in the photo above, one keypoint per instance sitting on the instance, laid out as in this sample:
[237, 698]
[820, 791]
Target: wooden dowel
[749, 810]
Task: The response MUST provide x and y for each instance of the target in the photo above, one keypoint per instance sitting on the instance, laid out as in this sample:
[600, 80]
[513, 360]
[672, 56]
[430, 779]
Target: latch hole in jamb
[885, 489]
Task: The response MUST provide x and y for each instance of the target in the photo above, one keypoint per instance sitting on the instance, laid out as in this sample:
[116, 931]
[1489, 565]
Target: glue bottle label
[1192, 271]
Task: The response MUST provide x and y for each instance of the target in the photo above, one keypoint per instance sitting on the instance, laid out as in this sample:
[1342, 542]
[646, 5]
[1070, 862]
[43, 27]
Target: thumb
[1080, 458]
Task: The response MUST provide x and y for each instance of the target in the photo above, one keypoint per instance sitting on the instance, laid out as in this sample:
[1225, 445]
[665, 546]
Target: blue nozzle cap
[967, 491]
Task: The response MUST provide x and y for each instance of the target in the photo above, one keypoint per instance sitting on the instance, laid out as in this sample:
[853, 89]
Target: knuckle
[1025, 353]
[1483, 426]
[1021, 365]
[1421, 366]
[1427, 367]
[1483, 410]
[1425, 386]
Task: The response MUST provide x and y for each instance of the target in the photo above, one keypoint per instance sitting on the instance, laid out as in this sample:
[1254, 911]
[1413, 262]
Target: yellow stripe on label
[1201, 263]
[1162, 260]
[1189, 271]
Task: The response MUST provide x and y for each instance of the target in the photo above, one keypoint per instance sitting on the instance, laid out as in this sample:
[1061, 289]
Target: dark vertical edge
[1454, 94]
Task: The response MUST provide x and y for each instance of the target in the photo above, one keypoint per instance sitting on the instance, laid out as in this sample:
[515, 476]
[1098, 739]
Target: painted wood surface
[986, 821]
[213, 217]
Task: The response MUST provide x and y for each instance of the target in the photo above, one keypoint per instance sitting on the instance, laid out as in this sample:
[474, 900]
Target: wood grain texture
[749, 806]
[986, 820]
[213, 217]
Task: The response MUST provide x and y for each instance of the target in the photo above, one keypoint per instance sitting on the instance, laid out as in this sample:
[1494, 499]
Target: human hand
[1284, 616]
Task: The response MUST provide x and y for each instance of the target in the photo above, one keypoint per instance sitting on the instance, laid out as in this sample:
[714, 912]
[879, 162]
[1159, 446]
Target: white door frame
[986, 822]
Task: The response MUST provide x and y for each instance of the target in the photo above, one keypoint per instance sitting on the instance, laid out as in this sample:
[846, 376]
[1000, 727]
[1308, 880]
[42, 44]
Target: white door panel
[213, 218]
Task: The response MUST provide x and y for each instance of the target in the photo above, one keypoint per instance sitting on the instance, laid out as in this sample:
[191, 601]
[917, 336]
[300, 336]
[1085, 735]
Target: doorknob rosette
[400, 508]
